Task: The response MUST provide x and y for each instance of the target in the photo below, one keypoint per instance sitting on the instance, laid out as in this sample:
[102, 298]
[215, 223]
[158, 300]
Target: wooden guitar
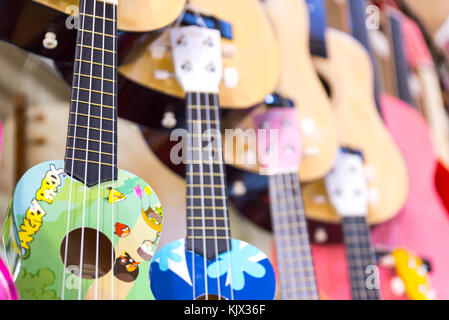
[251, 61]
[349, 73]
[82, 228]
[300, 83]
[207, 264]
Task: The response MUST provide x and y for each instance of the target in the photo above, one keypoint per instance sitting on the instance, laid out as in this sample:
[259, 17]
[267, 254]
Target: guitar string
[212, 183]
[85, 189]
[81, 32]
[190, 178]
[223, 192]
[114, 146]
[203, 220]
[100, 154]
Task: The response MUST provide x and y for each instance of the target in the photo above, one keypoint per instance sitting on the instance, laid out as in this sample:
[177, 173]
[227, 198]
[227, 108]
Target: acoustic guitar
[207, 264]
[82, 228]
[251, 63]
[300, 83]
[349, 74]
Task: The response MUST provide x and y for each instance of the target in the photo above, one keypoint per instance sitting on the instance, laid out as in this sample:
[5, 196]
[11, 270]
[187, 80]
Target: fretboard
[294, 258]
[208, 232]
[357, 9]
[401, 66]
[361, 259]
[91, 149]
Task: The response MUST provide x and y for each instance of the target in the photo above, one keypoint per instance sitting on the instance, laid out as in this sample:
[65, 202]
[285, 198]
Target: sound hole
[210, 297]
[96, 262]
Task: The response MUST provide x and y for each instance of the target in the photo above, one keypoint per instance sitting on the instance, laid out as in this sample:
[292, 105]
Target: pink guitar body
[7, 288]
[421, 226]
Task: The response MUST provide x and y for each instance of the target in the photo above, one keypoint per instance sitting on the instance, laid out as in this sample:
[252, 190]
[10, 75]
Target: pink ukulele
[7, 288]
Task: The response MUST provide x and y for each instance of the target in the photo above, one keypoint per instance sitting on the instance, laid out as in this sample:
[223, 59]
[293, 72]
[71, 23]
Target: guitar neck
[361, 259]
[208, 232]
[294, 258]
[91, 149]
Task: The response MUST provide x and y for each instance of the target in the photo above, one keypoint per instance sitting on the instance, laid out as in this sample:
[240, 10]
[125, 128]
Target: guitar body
[7, 288]
[254, 54]
[422, 225]
[348, 71]
[300, 83]
[124, 214]
[243, 273]
[25, 23]
[134, 15]
[414, 228]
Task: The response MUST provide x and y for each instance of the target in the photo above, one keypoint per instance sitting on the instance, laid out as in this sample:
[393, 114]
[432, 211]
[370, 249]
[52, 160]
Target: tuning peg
[230, 77]
[239, 188]
[50, 41]
[169, 120]
[397, 286]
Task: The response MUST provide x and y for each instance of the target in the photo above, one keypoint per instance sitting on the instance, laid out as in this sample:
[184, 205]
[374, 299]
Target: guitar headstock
[414, 274]
[346, 185]
[197, 58]
[278, 140]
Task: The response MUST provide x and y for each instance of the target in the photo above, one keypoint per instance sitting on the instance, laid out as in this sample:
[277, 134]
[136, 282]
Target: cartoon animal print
[115, 196]
[126, 268]
[122, 230]
[49, 185]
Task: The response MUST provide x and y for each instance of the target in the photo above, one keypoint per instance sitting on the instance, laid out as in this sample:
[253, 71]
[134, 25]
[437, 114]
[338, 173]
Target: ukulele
[250, 56]
[280, 161]
[300, 83]
[349, 74]
[81, 228]
[207, 264]
[414, 137]
[7, 288]
[348, 192]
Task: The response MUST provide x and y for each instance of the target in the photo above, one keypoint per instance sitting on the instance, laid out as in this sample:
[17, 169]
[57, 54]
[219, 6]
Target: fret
[205, 186]
[91, 116]
[208, 237]
[93, 104]
[90, 161]
[90, 128]
[208, 228]
[95, 91]
[94, 151]
[207, 208]
[97, 17]
[97, 33]
[203, 162]
[95, 63]
[207, 218]
[94, 140]
[215, 174]
[93, 77]
[94, 48]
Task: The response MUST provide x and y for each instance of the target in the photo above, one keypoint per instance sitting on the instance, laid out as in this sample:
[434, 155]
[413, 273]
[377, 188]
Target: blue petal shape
[166, 253]
[238, 260]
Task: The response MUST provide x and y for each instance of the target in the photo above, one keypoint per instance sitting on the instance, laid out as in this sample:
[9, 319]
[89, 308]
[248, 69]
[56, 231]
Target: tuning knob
[320, 235]
[50, 41]
[239, 188]
[168, 120]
